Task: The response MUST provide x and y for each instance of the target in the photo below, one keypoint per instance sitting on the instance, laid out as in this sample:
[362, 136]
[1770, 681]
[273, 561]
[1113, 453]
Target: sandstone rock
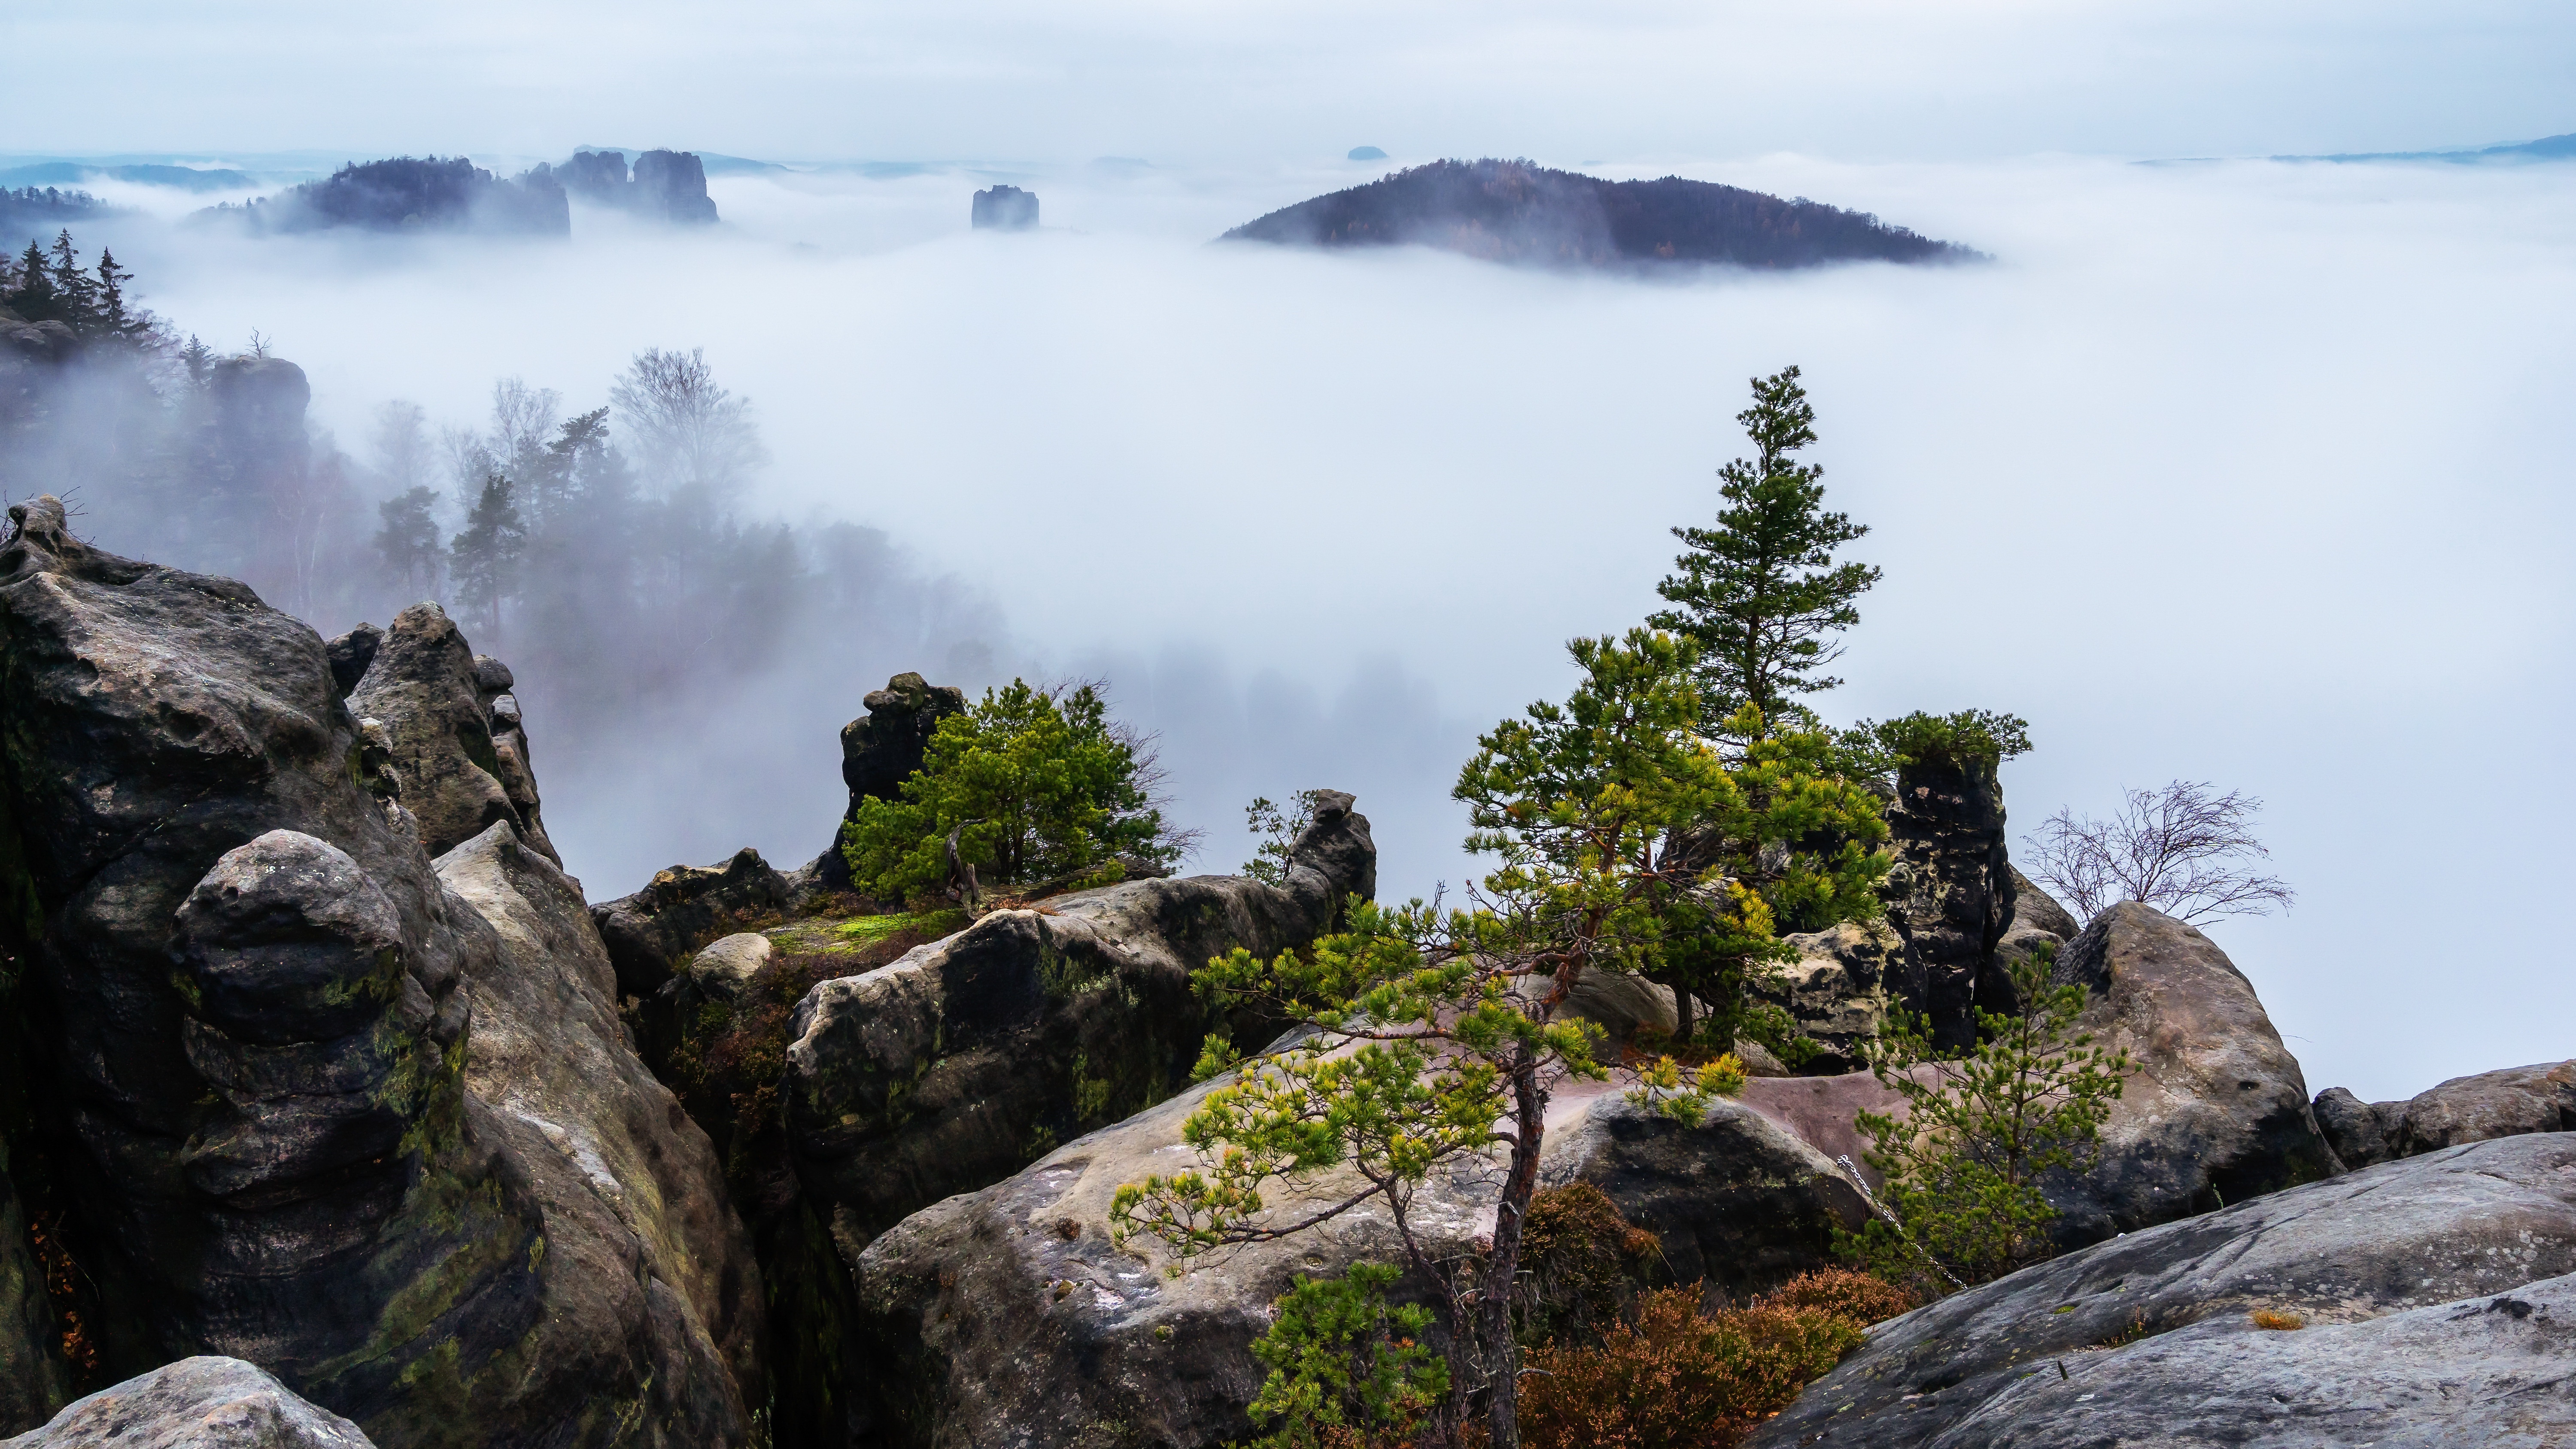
[1622, 1005]
[2217, 1111]
[1006, 208]
[2355, 1129]
[880, 750]
[1837, 989]
[2436, 1292]
[245, 994]
[196, 1403]
[2037, 910]
[652, 932]
[1951, 891]
[548, 1051]
[2515, 1100]
[461, 766]
[974, 1055]
[1008, 1316]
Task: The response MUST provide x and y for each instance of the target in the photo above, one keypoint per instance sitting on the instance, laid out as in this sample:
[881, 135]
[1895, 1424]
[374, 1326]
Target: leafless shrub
[2184, 849]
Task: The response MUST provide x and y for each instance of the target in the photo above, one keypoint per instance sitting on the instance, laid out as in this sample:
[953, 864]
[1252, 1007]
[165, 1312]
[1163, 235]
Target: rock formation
[1010, 1316]
[2540, 1098]
[1006, 208]
[665, 185]
[1513, 211]
[1839, 989]
[2217, 1111]
[245, 993]
[548, 1050]
[879, 751]
[1951, 893]
[974, 1055]
[655, 931]
[2438, 1295]
[196, 1403]
[414, 194]
[457, 748]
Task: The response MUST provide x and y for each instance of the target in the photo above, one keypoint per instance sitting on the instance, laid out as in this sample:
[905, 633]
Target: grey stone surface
[2435, 1290]
[972, 1056]
[196, 1403]
[879, 751]
[1950, 893]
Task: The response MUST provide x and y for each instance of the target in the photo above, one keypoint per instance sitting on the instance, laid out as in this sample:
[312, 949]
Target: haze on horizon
[2246, 472]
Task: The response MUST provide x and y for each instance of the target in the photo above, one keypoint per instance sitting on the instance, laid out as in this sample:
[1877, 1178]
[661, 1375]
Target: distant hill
[65, 173]
[414, 194]
[2547, 148]
[1515, 211]
[37, 212]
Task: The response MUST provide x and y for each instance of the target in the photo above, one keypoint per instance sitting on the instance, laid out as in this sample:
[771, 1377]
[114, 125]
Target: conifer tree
[484, 558]
[1760, 592]
[75, 294]
[33, 296]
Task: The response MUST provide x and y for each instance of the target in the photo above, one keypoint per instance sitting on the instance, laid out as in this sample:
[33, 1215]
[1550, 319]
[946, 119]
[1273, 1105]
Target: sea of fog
[2252, 473]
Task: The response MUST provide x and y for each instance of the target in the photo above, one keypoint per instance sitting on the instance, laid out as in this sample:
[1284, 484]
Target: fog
[2246, 472]
[795, 79]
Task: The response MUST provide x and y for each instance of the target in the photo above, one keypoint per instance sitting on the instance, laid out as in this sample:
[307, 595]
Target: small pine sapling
[1348, 1370]
[1964, 1161]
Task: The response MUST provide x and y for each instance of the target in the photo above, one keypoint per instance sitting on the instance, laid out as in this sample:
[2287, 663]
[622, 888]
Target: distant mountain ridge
[2547, 148]
[1518, 211]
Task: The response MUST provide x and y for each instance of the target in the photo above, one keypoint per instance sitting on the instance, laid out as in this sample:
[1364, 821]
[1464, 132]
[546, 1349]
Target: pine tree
[484, 558]
[408, 541]
[114, 320]
[33, 298]
[199, 360]
[75, 295]
[1760, 592]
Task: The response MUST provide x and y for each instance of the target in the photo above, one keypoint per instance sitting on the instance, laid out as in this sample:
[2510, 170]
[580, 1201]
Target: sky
[2246, 472]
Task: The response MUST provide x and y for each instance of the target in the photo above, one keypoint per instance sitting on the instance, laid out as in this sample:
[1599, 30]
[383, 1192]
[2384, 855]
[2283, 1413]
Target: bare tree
[403, 445]
[688, 432]
[2183, 849]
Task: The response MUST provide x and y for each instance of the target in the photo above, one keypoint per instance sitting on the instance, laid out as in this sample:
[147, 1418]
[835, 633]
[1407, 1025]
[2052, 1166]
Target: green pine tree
[1760, 593]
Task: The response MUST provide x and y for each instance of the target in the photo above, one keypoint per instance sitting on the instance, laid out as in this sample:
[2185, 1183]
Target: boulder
[2036, 910]
[879, 751]
[459, 754]
[549, 1052]
[2436, 1292]
[2216, 1112]
[196, 1403]
[1009, 1315]
[1837, 989]
[651, 933]
[1005, 208]
[971, 1056]
[2506, 1103]
[245, 993]
[1950, 892]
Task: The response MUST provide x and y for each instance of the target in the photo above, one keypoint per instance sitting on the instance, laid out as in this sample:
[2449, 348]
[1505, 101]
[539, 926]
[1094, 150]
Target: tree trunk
[1502, 1266]
[1681, 1011]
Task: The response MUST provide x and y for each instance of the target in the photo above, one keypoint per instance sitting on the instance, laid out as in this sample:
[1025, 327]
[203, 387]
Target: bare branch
[2184, 849]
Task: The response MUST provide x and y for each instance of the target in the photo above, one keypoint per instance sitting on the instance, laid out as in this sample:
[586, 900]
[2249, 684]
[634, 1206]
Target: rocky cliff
[244, 997]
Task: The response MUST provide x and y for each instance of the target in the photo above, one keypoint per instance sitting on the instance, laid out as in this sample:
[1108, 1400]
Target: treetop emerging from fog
[689, 434]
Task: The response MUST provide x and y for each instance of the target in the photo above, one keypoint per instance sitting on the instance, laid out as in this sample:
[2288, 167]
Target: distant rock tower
[1006, 208]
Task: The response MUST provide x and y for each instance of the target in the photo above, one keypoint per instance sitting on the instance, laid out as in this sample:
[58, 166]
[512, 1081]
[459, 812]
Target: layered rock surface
[2437, 1294]
[196, 1403]
[654, 932]
[879, 751]
[246, 993]
[972, 1056]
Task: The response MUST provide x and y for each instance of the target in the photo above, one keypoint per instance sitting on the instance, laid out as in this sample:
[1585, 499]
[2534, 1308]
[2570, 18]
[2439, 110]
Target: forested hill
[1515, 211]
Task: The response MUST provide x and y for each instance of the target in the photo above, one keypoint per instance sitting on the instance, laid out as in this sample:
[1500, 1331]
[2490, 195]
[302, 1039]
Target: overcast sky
[2253, 473]
[1050, 80]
